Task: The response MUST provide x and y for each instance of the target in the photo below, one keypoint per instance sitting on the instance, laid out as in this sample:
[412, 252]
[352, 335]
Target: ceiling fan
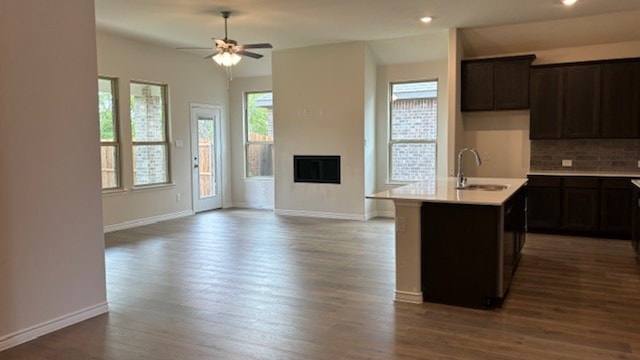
[228, 52]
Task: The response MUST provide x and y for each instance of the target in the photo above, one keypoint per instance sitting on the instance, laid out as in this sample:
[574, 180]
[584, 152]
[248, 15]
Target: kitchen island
[439, 224]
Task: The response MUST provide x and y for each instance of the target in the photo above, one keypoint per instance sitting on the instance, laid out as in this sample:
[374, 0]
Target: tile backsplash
[586, 154]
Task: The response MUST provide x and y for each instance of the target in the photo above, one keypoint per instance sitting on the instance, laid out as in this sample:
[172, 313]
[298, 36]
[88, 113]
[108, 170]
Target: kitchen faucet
[461, 179]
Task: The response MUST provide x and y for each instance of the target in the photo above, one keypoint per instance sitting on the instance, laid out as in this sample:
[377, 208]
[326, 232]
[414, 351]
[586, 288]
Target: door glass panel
[206, 156]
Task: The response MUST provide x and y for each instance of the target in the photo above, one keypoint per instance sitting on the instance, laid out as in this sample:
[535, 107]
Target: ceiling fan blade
[257, 46]
[249, 54]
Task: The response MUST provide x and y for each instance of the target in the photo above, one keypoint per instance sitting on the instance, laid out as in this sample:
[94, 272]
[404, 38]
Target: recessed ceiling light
[426, 19]
[569, 2]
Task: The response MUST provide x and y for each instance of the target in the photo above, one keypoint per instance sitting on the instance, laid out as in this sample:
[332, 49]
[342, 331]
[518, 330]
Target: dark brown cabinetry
[581, 117]
[543, 202]
[496, 84]
[577, 204]
[635, 236]
[470, 252]
[598, 99]
[621, 99]
[615, 205]
[580, 204]
[547, 84]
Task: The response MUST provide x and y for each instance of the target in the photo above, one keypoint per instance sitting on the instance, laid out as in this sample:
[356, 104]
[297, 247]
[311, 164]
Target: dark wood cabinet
[496, 84]
[470, 252]
[477, 85]
[586, 100]
[615, 206]
[543, 202]
[620, 116]
[635, 213]
[580, 204]
[581, 116]
[547, 95]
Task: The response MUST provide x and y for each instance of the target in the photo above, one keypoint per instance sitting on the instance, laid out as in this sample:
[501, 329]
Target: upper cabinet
[581, 101]
[547, 96]
[496, 84]
[586, 100]
[621, 99]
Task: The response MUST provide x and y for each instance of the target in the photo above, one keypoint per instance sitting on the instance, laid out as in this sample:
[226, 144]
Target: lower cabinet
[470, 252]
[591, 206]
[580, 204]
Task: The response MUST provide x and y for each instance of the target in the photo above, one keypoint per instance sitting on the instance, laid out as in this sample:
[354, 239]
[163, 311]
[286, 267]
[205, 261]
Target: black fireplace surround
[324, 169]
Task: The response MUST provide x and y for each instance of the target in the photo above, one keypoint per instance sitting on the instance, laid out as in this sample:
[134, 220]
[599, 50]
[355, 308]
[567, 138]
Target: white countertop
[444, 190]
[636, 183]
[584, 173]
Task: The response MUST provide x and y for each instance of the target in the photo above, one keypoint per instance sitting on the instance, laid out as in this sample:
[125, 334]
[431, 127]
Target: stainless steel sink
[484, 187]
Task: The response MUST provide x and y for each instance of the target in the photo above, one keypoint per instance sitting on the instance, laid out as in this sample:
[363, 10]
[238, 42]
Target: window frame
[391, 141]
[248, 143]
[115, 111]
[167, 141]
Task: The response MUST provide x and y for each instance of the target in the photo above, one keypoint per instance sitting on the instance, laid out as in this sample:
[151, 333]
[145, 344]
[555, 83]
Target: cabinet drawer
[544, 181]
[581, 182]
[616, 183]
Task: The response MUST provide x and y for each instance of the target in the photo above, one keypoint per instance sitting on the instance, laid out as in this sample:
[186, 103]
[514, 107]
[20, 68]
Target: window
[149, 134]
[109, 139]
[413, 131]
[259, 133]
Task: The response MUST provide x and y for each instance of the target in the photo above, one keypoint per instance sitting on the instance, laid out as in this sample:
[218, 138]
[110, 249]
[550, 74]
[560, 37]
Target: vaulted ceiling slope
[392, 27]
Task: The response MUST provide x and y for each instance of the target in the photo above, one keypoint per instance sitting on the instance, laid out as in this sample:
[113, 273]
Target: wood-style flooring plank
[247, 284]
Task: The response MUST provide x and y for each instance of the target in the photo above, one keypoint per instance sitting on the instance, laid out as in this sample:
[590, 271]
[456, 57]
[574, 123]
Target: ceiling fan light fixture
[226, 58]
[569, 2]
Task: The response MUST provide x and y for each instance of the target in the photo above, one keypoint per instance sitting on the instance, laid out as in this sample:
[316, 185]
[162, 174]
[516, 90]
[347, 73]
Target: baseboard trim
[147, 221]
[408, 297]
[317, 214]
[253, 206]
[34, 332]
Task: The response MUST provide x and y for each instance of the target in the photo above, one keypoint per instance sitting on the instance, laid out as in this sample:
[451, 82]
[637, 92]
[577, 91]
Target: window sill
[153, 187]
[114, 192]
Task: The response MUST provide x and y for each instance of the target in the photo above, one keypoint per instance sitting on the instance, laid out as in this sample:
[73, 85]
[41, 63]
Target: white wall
[370, 161]
[247, 192]
[190, 79]
[408, 72]
[52, 269]
[319, 110]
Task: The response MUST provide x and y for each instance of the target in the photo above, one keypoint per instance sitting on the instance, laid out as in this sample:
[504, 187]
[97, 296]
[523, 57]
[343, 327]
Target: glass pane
[206, 153]
[109, 166]
[106, 110]
[413, 162]
[414, 111]
[260, 116]
[150, 165]
[260, 160]
[147, 112]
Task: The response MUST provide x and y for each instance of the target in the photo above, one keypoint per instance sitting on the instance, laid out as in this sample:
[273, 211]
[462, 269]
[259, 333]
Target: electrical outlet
[178, 197]
[639, 163]
[567, 163]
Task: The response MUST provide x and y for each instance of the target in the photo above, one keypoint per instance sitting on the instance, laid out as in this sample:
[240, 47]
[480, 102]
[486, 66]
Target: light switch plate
[567, 163]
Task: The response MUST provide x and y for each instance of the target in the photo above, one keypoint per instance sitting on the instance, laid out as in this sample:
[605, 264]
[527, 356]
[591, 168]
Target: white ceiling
[391, 26]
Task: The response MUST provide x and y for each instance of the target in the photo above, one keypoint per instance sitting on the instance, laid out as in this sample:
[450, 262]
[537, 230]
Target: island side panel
[408, 252]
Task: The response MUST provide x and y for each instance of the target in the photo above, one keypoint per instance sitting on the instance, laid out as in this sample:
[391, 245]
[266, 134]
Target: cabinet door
[616, 207]
[580, 204]
[620, 99]
[511, 84]
[543, 203]
[477, 85]
[581, 101]
[546, 98]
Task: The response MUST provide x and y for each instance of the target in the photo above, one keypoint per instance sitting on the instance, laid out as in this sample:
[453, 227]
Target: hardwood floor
[246, 284]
